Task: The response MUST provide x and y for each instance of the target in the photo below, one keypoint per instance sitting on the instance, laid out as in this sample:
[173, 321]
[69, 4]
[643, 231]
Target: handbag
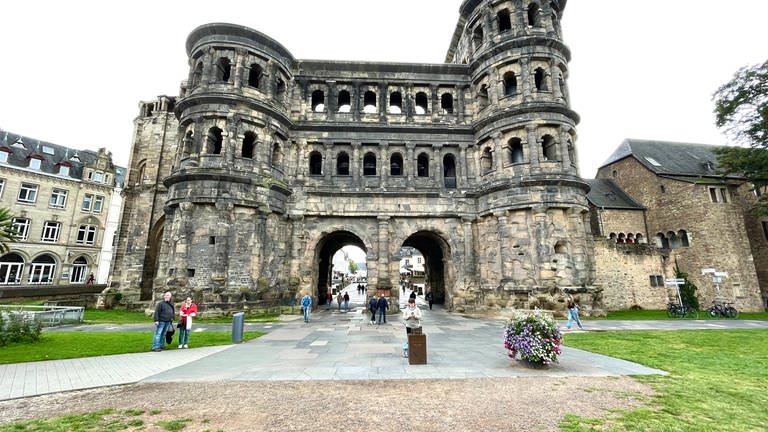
[169, 334]
[180, 324]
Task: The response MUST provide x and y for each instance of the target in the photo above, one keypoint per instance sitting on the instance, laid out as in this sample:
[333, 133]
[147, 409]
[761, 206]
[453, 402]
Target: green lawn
[717, 382]
[662, 315]
[65, 345]
[124, 316]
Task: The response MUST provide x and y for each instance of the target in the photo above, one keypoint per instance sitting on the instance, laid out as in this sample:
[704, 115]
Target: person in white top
[411, 316]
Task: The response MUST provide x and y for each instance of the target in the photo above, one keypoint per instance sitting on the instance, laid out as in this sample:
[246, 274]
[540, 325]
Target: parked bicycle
[722, 310]
[675, 310]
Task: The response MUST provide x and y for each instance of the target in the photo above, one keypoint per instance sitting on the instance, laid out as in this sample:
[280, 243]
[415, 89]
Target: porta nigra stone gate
[244, 186]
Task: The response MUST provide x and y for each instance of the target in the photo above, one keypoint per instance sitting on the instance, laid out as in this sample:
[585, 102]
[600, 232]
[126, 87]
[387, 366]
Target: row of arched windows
[223, 74]
[41, 270]
[370, 102]
[396, 165]
[504, 22]
[214, 141]
[672, 240]
[626, 238]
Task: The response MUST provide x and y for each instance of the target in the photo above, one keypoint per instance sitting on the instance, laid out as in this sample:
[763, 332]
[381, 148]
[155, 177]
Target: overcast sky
[73, 72]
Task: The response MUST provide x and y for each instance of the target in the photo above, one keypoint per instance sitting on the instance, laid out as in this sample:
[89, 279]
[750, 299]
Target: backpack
[305, 301]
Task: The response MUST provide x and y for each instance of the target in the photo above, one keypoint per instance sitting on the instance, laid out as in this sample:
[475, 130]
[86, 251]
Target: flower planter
[534, 338]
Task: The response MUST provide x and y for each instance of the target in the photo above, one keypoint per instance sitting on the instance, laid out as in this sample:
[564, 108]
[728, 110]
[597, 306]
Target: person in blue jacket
[306, 305]
[382, 305]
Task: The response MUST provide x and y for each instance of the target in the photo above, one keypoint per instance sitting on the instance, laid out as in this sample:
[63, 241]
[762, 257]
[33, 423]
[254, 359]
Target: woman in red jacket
[186, 312]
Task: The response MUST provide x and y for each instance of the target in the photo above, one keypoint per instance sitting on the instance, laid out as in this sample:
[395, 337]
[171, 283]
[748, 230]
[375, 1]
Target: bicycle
[724, 310]
[675, 310]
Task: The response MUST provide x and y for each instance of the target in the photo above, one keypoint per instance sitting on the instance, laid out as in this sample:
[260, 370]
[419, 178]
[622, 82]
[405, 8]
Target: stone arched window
[515, 148]
[318, 101]
[11, 269]
[342, 164]
[662, 241]
[214, 141]
[477, 37]
[630, 238]
[395, 103]
[369, 164]
[674, 240]
[540, 79]
[510, 84]
[639, 238]
[369, 102]
[561, 247]
[533, 15]
[315, 163]
[505, 22]
[549, 148]
[197, 74]
[277, 155]
[42, 269]
[446, 103]
[482, 97]
[449, 171]
[223, 69]
[422, 103]
[622, 238]
[486, 160]
[683, 236]
[396, 165]
[344, 101]
[249, 143]
[254, 75]
[612, 237]
[422, 165]
[79, 270]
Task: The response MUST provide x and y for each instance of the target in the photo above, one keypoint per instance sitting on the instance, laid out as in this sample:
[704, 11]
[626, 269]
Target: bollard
[237, 327]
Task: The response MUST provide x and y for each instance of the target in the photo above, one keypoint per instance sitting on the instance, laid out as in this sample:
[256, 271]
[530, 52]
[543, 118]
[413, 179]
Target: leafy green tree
[352, 266]
[741, 110]
[687, 290]
[7, 231]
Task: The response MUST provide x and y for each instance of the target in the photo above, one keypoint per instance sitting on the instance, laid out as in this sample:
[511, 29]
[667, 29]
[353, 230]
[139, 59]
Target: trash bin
[238, 321]
[417, 349]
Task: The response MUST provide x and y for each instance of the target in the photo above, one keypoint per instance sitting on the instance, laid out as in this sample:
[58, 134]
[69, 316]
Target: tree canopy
[7, 231]
[741, 111]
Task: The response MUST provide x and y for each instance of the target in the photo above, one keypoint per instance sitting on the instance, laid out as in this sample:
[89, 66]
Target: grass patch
[125, 316]
[64, 345]
[717, 379]
[638, 315]
[173, 425]
[102, 420]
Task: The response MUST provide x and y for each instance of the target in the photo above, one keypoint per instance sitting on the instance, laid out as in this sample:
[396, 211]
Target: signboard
[675, 281]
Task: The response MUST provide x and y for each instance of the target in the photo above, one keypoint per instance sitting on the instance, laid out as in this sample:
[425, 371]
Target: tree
[7, 231]
[352, 266]
[687, 290]
[741, 111]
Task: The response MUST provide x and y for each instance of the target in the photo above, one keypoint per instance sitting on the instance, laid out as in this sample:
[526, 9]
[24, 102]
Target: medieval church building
[243, 186]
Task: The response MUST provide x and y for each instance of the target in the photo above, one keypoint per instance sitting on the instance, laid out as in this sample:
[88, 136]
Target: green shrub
[15, 327]
[687, 290]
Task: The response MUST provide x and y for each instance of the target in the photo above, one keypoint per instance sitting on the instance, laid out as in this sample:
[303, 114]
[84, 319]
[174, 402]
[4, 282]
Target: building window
[21, 226]
[3, 156]
[248, 143]
[11, 269]
[446, 103]
[214, 141]
[51, 232]
[96, 176]
[79, 270]
[421, 103]
[86, 235]
[58, 198]
[342, 164]
[510, 84]
[318, 101]
[63, 170]
[540, 79]
[35, 163]
[190, 272]
[505, 23]
[657, 280]
[315, 164]
[482, 97]
[369, 164]
[277, 155]
[515, 151]
[27, 193]
[486, 160]
[719, 195]
[42, 270]
[211, 240]
[533, 15]
[422, 165]
[98, 203]
[87, 202]
[197, 75]
[395, 103]
[344, 101]
[396, 165]
[223, 69]
[549, 148]
[449, 171]
[2, 187]
[254, 76]
[477, 37]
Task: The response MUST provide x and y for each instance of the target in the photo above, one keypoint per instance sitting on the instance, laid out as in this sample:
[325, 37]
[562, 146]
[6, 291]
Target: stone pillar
[327, 161]
[410, 162]
[459, 108]
[497, 153]
[438, 164]
[435, 103]
[461, 165]
[564, 137]
[330, 105]
[356, 100]
[239, 68]
[527, 82]
[209, 67]
[229, 145]
[408, 103]
[220, 259]
[384, 174]
[533, 145]
[297, 230]
[554, 72]
[381, 101]
[354, 165]
[469, 250]
[384, 281]
[504, 254]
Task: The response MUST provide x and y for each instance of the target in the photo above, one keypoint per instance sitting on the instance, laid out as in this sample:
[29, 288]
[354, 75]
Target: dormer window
[35, 163]
[19, 144]
[3, 156]
[48, 150]
[96, 176]
[63, 170]
[75, 158]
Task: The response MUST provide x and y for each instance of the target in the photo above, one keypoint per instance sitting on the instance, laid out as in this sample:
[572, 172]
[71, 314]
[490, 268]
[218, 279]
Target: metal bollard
[238, 321]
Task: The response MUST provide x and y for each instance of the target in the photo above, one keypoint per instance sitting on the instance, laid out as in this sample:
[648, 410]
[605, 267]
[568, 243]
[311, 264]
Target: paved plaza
[335, 345]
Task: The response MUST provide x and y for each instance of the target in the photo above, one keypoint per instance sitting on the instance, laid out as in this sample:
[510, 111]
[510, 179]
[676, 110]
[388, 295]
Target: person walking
[573, 313]
[346, 301]
[328, 301]
[339, 299]
[412, 296]
[163, 317]
[372, 305]
[430, 299]
[382, 305]
[411, 316]
[306, 306]
[186, 312]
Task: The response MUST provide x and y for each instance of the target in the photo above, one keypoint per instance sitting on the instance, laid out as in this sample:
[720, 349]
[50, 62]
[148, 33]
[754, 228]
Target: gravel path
[501, 404]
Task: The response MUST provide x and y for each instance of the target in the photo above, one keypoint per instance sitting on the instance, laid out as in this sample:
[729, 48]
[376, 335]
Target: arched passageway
[151, 259]
[326, 248]
[435, 251]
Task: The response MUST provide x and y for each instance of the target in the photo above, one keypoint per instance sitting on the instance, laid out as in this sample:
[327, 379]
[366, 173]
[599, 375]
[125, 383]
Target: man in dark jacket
[382, 307]
[372, 305]
[164, 313]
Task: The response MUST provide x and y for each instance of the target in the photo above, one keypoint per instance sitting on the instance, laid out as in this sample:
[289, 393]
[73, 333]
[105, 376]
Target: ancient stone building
[243, 186]
[671, 196]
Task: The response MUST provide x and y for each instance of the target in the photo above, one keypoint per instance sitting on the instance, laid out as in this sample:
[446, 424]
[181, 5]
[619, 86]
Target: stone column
[410, 163]
[469, 250]
[533, 145]
[555, 81]
[356, 101]
[354, 165]
[435, 103]
[438, 164]
[497, 153]
[383, 262]
[564, 137]
[297, 229]
[384, 174]
[461, 165]
[239, 68]
[327, 161]
[382, 104]
[330, 105]
[459, 108]
[230, 142]
[408, 103]
[302, 162]
[521, 26]
[504, 254]
[527, 82]
[209, 67]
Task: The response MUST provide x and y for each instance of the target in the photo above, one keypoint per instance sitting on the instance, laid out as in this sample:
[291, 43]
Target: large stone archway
[326, 247]
[151, 258]
[436, 252]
